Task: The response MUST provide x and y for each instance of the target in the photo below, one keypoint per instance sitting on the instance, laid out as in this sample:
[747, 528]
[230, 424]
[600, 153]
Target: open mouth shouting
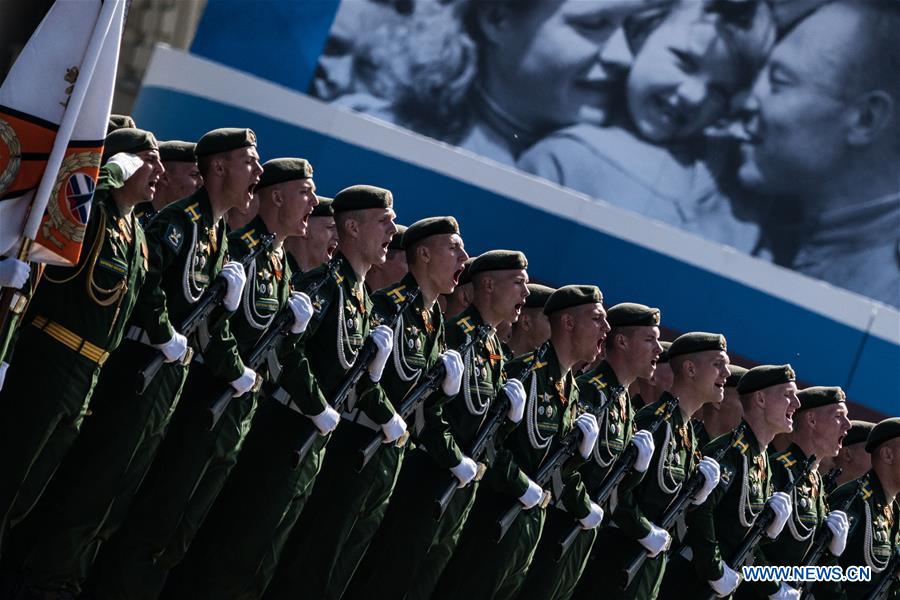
[331, 248]
[456, 276]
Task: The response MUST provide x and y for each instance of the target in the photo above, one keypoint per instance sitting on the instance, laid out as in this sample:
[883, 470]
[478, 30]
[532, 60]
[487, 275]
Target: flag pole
[61, 143]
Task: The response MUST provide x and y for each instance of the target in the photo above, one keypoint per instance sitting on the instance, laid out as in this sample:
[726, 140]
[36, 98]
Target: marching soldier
[819, 425]
[461, 297]
[76, 318]
[325, 557]
[717, 526]
[395, 266]
[699, 364]
[652, 387]
[180, 179]
[188, 251]
[499, 281]
[237, 549]
[532, 328]
[482, 567]
[874, 515]
[632, 347]
[306, 252]
[853, 459]
[719, 418]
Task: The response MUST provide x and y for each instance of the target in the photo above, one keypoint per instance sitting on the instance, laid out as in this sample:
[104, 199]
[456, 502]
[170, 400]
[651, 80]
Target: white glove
[301, 306]
[174, 349]
[383, 338]
[709, 468]
[786, 592]
[234, 274]
[727, 583]
[780, 503]
[465, 471]
[656, 541]
[515, 391]
[839, 525]
[593, 519]
[14, 273]
[393, 429]
[532, 495]
[643, 441]
[244, 383]
[127, 162]
[587, 423]
[453, 370]
[3, 367]
[326, 421]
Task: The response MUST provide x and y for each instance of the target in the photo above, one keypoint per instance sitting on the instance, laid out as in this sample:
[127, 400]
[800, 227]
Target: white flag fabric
[54, 110]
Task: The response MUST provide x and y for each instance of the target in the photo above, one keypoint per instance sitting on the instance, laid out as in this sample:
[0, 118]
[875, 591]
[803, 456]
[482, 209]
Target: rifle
[887, 579]
[615, 476]
[758, 529]
[567, 448]
[418, 395]
[817, 550]
[351, 378]
[681, 503]
[211, 298]
[277, 330]
[485, 436]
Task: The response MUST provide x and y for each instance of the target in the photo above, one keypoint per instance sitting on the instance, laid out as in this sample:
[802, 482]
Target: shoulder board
[786, 459]
[465, 324]
[250, 239]
[397, 294]
[193, 212]
[597, 382]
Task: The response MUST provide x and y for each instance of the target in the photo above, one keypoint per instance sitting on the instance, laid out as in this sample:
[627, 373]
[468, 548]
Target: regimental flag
[61, 86]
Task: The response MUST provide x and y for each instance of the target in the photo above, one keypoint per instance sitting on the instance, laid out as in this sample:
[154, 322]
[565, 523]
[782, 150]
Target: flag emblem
[79, 191]
[10, 155]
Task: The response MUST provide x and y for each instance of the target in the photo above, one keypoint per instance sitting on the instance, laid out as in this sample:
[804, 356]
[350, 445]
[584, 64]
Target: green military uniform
[20, 303]
[188, 251]
[347, 507]
[586, 560]
[874, 535]
[77, 316]
[145, 213]
[448, 434]
[481, 567]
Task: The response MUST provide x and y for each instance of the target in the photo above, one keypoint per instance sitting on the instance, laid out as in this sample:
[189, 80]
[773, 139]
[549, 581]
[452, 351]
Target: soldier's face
[565, 38]
[662, 378]
[682, 78]
[832, 425]
[446, 256]
[321, 238]
[643, 349]
[395, 266]
[242, 171]
[180, 180]
[711, 373]
[780, 403]
[728, 412]
[591, 328]
[298, 199]
[540, 326]
[510, 291]
[853, 459]
[376, 228]
[794, 115]
[142, 184]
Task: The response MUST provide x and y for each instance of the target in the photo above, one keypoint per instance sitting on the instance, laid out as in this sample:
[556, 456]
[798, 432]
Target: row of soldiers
[309, 401]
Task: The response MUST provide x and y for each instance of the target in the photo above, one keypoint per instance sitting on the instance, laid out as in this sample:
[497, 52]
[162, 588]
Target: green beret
[224, 140]
[397, 240]
[763, 376]
[498, 260]
[664, 355]
[281, 170]
[323, 208]
[118, 122]
[426, 228]
[572, 295]
[537, 295]
[819, 395]
[177, 151]
[859, 433]
[737, 372]
[359, 197]
[885, 431]
[128, 139]
[697, 341]
[628, 314]
[466, 276]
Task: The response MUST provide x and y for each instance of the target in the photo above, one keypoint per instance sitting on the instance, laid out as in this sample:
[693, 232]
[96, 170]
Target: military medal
[561, 390]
